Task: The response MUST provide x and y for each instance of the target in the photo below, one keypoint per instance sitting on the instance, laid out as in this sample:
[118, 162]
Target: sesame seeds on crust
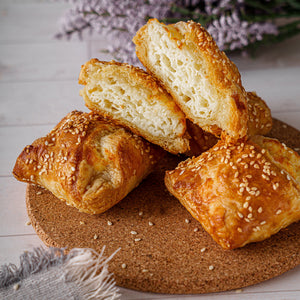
[235, 190]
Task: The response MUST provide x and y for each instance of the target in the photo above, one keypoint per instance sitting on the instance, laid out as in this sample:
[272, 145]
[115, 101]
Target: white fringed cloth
[52, 274]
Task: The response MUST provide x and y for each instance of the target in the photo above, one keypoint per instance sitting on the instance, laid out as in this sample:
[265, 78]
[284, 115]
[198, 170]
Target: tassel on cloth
[51, 274]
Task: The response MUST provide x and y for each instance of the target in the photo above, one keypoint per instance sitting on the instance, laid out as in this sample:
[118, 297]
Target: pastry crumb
[82, 223]
[28, 223]
[238, 291]
[16, 286]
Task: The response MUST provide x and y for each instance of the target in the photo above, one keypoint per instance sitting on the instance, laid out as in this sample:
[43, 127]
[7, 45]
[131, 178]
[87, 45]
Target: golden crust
[260, 119]
[134, 99]
[223, 76]
[200, 140]
[240, 193]
[87, 162]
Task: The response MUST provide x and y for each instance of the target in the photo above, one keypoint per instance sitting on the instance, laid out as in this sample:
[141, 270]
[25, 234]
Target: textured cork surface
[164, 249]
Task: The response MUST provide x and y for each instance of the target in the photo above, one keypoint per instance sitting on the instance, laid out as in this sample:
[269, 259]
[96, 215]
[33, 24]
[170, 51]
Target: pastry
[202, 80]
[88, 162]
[240, 192]
[260, 118]
[136, 100]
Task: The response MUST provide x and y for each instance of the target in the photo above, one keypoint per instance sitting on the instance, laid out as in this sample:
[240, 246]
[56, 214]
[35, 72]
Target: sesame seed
[278, 212]
[28, 223]
[203, 249]
[239, 229]
[256, 166]
[137, 239]
[211, 267]
[140, 213]
[81, 223]
[187, 221]
[259, 210]
[236, 174]
[133, 232]
[196, 229]
[95, 236]
[263, 222]
[109, 223]
[250, 216]
[240, 214]
[263, 151]
[16, 286]
[150, 223]
[144, 270]
[123, 266]
[72, 169]
[39, 193]
[246, 204]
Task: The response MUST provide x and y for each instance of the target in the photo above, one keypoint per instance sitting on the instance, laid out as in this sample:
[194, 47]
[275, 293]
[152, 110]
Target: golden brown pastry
[87, 162]
[260, 119]
[200, 140]
[240, 192]
[136, 100]
[202, 80]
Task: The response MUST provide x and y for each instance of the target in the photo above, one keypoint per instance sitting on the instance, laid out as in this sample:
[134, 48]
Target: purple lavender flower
[118, 20]
[233, 33]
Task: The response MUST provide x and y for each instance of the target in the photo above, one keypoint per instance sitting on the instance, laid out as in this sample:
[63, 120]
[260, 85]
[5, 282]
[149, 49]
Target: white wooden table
[38, 86]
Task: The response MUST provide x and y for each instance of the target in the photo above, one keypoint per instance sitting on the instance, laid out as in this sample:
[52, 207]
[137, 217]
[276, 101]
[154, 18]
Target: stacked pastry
[246, 187]
[241, 187]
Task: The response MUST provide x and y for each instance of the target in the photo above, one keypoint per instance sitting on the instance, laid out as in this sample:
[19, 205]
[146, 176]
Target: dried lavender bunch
[118, 20]
[234, 24]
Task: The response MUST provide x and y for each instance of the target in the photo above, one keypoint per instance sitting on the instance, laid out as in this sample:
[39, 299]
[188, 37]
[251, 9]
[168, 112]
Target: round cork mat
[165, 250]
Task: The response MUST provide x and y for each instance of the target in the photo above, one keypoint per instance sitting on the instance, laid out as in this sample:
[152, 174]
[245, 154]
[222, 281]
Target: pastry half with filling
[240, 192]
[88, 162]
[133, 98]
[202, 80]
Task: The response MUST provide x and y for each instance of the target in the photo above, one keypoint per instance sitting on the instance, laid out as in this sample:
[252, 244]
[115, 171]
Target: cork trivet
[170, 252]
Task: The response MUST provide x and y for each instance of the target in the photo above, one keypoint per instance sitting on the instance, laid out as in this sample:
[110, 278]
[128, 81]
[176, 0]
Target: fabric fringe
[87, 268]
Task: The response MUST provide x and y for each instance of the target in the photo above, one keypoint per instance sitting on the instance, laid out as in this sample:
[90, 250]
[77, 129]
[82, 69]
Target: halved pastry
[88, 162]
[202, 80]
[136, 100]
[240, 192]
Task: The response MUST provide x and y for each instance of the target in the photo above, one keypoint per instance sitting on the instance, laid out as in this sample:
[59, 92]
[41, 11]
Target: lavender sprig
[234, 24]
